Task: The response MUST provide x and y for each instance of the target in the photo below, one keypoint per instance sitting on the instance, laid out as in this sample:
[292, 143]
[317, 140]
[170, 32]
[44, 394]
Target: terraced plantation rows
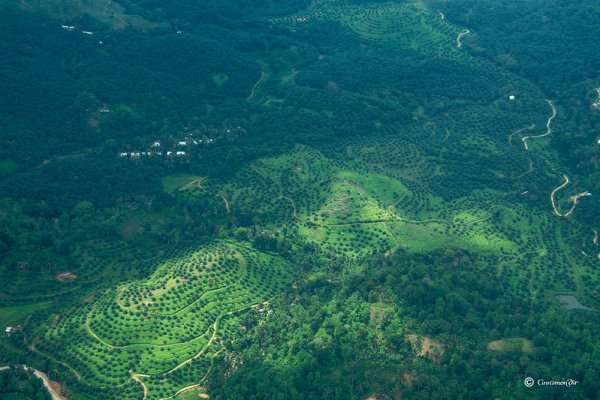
[421, 154]
[92, 262]
[368, 203]
[161, 330]
[407, 25]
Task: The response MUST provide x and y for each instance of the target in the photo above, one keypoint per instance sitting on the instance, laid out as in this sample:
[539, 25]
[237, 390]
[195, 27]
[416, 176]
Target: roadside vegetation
[384, 202]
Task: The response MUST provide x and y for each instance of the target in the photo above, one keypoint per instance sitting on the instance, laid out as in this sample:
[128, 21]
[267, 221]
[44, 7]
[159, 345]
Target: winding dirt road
[136, 377]
[226, 204]
[47, 383]
[529, 170]
[565, 183]
[459, 37]
[293, 204]
[548, 129]
[189, 360]
[263, 75]
[575, 199]
[528, 128]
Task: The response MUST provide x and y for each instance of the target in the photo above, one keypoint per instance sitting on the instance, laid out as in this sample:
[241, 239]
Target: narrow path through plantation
[459, 38]
[528, 128]
[226, 203]
[293, 205]
[263, 76]
[575, 198]
[548, 128]
[529, 170]
[565, 183]
[136, 377]
[33, 348]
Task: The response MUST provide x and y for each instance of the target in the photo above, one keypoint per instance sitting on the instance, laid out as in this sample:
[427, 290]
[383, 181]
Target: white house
[181, 153]
[169, 153]
[87, 32]
[156, 144]
[122, 154]
[181, 143]
[68, 27]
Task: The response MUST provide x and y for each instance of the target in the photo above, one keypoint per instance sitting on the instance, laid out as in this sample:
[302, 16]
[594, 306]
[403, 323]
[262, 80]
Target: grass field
[513, 345]
[219, 78]
[11, 316]
[171, 183]
[7, 166]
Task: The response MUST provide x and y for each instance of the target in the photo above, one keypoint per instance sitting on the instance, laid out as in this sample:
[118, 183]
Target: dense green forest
[17, 383]
[268, 199]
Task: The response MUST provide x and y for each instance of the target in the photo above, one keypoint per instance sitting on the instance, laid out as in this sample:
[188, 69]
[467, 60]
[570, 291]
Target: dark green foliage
[18, 381]
[356, 213]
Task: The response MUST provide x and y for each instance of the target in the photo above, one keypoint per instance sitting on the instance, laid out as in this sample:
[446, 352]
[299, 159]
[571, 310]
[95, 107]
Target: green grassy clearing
[174, 182]
[521, 345]
[7, 166]
[219, 78]
[11, 316]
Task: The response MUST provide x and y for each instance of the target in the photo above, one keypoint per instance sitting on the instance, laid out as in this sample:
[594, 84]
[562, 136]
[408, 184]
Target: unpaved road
[459, 37]
[528, 128]
[214, 335]
[263, 75]
[226, 204]
[55, 394]
[575, 198]
[548, 129]
[565, 183]
[136, 377]
[293, 204]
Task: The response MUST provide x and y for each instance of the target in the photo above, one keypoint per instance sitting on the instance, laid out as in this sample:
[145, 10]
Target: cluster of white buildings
[73, 27]
[155, 149]
[10, 330]
[179, 149]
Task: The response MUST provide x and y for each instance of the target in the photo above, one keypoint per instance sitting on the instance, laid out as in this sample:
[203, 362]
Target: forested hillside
[267, 199]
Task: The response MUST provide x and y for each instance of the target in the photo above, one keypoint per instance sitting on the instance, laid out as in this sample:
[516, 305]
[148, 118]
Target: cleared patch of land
[518, 344]
[175, 182]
